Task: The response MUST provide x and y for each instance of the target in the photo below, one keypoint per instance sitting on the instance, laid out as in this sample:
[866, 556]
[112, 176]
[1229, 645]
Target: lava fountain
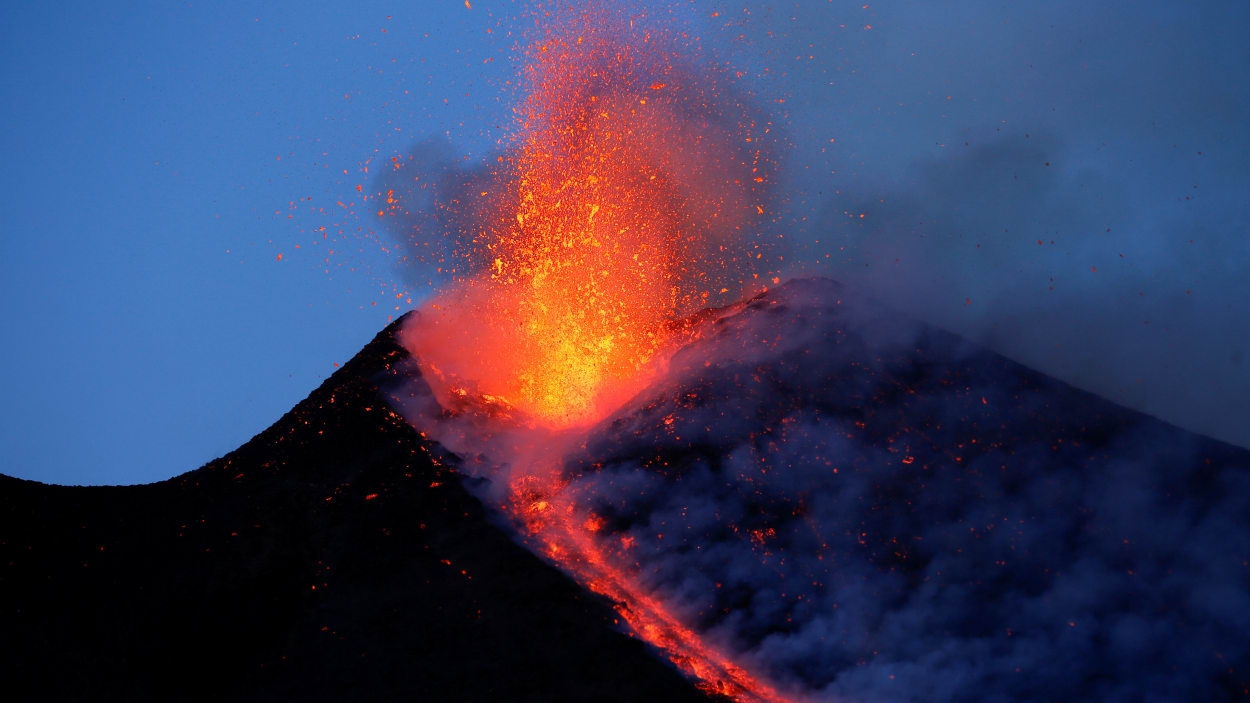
[633, 192]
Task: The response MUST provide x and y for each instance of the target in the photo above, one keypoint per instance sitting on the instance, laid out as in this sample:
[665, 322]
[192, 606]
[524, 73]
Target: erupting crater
[631, 194]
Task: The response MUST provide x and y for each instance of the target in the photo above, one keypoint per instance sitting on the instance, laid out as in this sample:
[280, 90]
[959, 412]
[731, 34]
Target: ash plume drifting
[1064, 182]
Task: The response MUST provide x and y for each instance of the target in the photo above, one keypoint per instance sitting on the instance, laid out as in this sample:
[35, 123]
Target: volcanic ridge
[848, 504]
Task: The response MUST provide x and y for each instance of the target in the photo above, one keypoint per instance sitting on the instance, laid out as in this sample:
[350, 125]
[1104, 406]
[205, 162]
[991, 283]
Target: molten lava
[631, 195]
[553, 515]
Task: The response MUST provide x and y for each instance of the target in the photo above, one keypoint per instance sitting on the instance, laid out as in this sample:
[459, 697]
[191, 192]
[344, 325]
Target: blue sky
[154, 153]
[161, 157]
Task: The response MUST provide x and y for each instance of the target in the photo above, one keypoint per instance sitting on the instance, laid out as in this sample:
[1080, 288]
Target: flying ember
[631, 194]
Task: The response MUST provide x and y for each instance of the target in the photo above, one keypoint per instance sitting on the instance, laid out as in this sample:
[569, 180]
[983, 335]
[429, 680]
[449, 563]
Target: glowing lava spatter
[632, 195]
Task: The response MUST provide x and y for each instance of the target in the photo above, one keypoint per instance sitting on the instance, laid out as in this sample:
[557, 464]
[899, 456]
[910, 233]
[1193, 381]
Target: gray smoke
[1065, 181]
[873, 510]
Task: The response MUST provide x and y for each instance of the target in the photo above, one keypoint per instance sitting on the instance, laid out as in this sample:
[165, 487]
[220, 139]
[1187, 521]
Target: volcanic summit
[818, 499]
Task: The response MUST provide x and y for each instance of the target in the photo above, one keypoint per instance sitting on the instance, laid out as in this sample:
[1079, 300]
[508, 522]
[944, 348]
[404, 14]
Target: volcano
[330, 558]
[839, 502]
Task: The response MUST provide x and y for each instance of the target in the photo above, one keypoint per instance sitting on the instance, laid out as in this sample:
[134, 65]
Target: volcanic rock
[330, 558]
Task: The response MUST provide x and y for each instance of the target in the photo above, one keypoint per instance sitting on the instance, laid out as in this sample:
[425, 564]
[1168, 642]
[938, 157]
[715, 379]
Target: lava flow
[550, 513]
[632, 194]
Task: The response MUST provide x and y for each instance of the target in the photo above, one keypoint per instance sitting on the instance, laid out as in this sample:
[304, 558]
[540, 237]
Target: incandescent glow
[631, 194]
[552, 515]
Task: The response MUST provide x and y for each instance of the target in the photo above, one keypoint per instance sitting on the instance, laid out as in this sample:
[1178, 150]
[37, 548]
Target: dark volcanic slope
[327, 559]
[875, 510]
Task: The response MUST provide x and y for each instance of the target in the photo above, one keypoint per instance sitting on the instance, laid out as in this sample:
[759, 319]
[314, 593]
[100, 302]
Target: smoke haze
[861, 507]
[1065, 182]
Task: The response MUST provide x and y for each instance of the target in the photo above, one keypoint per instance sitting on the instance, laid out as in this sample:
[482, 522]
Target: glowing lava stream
[568, 539]
[632, 196]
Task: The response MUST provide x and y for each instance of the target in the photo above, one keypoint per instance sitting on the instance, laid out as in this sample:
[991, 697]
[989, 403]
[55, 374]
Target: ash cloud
[967, 133]
[870, 509]
[433, 211]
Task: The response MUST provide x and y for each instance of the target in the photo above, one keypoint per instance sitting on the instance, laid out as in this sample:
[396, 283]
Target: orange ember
[627, 198]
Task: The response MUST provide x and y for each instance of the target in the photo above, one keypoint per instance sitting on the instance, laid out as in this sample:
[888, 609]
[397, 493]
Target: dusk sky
[1066, 182]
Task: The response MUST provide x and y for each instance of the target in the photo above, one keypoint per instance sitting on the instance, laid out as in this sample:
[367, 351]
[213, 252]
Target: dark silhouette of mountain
[328, 559]
[868, 508]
